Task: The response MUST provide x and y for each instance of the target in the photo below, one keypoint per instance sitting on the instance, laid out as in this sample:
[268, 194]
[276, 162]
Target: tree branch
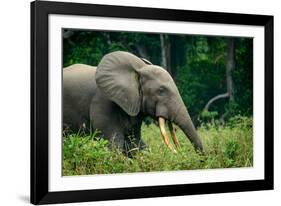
[67, 34]
[219, 96]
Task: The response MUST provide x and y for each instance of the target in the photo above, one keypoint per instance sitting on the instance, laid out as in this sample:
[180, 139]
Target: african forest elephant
[118, 94]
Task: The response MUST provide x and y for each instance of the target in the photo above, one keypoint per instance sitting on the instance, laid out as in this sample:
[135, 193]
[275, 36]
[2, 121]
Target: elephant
[118, 94]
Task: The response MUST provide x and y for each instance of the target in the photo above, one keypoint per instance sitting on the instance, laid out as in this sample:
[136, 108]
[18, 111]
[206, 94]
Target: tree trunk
[66, 36]
[230, 64]
[107, 37]
[165, 52]
[142, 52]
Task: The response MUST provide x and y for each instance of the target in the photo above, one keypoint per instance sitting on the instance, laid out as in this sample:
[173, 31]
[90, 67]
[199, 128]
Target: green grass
[225, 146]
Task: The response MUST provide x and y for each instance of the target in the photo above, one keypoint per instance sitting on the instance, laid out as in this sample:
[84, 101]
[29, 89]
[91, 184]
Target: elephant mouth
[164, 134]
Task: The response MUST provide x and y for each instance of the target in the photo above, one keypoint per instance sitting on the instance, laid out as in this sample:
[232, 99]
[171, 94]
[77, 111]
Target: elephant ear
[117, 77]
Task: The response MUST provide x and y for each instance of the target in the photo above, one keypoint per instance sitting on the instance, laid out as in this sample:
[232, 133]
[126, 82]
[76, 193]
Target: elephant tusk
[163, 133]
[173, 135]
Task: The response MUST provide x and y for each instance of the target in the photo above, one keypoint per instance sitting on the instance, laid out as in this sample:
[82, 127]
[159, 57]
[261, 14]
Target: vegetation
[214, 76]
[226, 147]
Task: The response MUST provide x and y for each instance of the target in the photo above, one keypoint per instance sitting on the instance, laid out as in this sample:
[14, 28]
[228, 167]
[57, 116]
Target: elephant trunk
[184, 121]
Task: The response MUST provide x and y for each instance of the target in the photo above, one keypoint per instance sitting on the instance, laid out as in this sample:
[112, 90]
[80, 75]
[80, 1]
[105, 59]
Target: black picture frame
[39, 102]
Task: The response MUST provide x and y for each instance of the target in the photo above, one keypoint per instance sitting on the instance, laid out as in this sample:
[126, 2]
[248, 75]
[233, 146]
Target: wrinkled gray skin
[116, 96]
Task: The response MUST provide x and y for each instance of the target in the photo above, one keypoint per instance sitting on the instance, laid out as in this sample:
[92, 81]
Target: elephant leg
[117, 141]
[131, 144]
[104, 119]
[133, 141]
[115, 138]
[137, 133]
[138, 140]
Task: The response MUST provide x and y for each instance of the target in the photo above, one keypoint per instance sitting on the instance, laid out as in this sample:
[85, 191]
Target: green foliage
[243, 76]
[80, 153]
[231, 149]
[243, 122]
[225, 147]
[207, 116]
[203, 76]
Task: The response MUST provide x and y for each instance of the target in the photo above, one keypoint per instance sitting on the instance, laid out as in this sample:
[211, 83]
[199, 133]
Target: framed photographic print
[131, 102]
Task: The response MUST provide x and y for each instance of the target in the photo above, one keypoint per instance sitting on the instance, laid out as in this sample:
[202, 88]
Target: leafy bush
[207, 116]
[228, 146]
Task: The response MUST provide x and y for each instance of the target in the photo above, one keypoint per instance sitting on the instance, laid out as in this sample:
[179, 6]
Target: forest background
[214, 74]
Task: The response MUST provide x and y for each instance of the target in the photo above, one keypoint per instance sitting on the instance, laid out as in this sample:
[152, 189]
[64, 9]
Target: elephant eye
[161, 91]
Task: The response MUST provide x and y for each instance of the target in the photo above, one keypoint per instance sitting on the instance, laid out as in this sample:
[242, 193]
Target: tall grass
[225, 146]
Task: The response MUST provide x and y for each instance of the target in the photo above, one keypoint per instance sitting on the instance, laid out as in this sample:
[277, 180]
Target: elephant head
[137, 86]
